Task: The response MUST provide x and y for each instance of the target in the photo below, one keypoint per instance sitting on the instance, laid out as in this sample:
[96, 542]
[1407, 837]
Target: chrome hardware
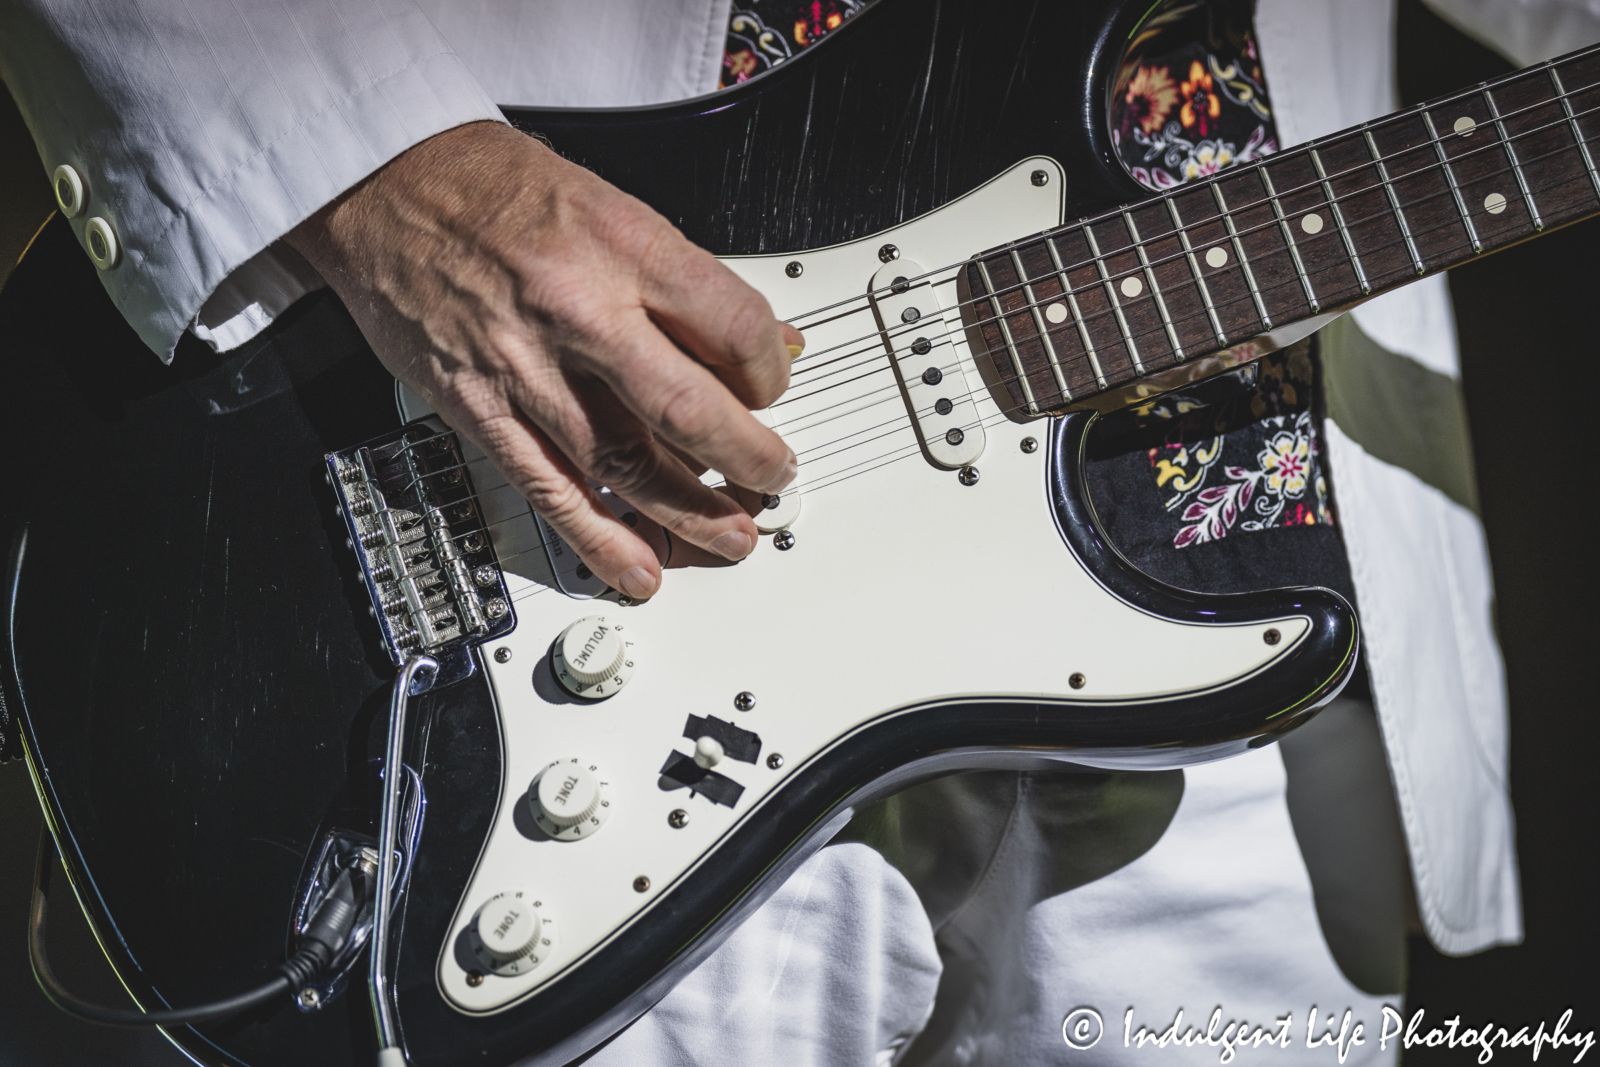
[888, 254]
[794, 269]
[678, 819]
[425, 558]
[775, 761]
[1030, 445]
[783, 540]
[1040, 177]
[968, 475]
[745, 701]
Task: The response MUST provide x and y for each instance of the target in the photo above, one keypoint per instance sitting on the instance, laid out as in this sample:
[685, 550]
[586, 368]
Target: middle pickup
[921, 344]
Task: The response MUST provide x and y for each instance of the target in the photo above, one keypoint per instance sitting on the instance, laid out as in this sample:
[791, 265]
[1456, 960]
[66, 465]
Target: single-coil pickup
[922, 346]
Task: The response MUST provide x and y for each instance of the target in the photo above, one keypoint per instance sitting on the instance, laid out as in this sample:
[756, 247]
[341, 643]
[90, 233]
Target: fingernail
[732, 545]
[639, 584]
[790, 471]
[795, 350]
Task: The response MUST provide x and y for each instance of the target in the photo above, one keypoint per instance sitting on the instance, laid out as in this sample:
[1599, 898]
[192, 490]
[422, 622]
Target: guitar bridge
[427, 559]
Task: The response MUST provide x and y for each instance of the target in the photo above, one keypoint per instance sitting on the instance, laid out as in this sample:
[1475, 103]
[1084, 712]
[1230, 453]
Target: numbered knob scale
[568, 800]
[593, 658]
[510, 934]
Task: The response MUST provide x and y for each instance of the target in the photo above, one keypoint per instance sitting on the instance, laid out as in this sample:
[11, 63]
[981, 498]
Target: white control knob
[708, 752]
[593, 658]
[511, 933]
[568, 799]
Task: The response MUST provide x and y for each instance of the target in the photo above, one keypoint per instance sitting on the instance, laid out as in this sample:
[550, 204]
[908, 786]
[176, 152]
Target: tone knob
[568, 799]
[593, 658]
[508, 928]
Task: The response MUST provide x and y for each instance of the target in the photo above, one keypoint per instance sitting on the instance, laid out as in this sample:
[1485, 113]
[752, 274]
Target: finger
[684, 403]
[793, 340]
[613, 447]
[556, 490]
[720, 320]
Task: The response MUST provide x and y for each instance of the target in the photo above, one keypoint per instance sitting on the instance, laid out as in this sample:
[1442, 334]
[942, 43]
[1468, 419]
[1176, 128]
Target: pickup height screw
[775, 761]
[968, 475]
[745, 700]
[1272, 637]
[1030, 445]
[783, 540]
[310, 999]
[932, 376]
[474, 979]
[888, 254]
[1040, 177]
[794, 269]
[678, 819]
[1076, 681]
[641, 884]
[502, 655]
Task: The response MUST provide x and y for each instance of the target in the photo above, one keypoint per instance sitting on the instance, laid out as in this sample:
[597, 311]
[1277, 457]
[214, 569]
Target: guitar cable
[326, 934]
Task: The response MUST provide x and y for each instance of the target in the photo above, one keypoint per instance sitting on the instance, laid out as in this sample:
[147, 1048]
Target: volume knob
[593, 658]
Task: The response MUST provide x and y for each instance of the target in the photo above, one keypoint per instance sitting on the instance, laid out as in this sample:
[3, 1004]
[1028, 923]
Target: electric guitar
[213, 569]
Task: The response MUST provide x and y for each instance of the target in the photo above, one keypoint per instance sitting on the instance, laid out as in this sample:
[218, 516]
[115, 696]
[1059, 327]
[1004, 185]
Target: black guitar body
[187, 641]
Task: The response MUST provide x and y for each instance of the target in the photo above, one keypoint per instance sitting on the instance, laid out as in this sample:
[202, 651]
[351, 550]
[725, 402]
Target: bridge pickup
[427, 559]
[921, 345]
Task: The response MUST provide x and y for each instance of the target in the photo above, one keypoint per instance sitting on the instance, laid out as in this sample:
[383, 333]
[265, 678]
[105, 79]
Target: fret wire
[1511, 155]
[1155, 289]
[1577, 132]
[1244, 261]
[1338, 220]
[1011, 344]
[1455, 188]
[1194, 268]
[1116, 305]
[1394, 203]
[1038, 322]
[1288, 238]
[1077, 315]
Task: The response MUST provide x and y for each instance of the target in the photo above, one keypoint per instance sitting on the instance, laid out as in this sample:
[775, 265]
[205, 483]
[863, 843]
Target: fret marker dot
[1464, 126]
[1056, 312]
[1494, 203]
[1131, 287]
[1311, 223]
[1216, 257]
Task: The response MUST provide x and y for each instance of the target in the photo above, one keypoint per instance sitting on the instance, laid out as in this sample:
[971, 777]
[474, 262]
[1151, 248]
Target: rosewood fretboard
[1101, 302]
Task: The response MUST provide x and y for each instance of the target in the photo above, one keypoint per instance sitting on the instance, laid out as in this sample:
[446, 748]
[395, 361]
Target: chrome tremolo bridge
[427, 559]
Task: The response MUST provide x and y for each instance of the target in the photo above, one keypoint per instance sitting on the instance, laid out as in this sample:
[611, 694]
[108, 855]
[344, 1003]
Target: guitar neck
[1102, 302]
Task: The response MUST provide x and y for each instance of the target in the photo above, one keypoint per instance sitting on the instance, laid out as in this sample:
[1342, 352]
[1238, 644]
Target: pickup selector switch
[568, 799]
[509, 935]
[593, 658]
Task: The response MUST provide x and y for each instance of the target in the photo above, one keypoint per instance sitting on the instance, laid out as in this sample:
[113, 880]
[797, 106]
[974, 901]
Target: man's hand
[569, 331]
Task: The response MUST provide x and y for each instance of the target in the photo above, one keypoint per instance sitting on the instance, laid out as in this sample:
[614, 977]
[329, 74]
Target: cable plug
[326, 934]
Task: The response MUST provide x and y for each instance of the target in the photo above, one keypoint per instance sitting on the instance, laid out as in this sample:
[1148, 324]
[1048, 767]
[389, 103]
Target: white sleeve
[203, 132]
[1525, 31]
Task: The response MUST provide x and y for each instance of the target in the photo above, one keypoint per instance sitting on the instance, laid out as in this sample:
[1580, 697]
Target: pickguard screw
[794, 269]
[641, 884]
[968, 475]
[1040, 177]
[1076, 681]
[888, 254]
[678, 819]
[309, 999]
[1030, 445]
[1272, 637]
[502, 655]
[745, 700]
[783, 540]
[474, 979]
[775, 761]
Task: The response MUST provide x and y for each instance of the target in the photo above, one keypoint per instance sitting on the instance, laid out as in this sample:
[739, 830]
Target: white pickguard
[904, 587]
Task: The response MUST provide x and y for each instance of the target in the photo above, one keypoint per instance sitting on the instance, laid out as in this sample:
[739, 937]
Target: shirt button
[69, 191]
[102, 241]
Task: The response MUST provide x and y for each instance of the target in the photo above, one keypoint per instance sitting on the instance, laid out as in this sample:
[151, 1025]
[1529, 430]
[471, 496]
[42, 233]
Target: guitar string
[1374, 126]
[1268, 226]
[832, 478]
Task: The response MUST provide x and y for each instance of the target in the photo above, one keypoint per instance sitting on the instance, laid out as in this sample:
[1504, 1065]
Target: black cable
[311, 957]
